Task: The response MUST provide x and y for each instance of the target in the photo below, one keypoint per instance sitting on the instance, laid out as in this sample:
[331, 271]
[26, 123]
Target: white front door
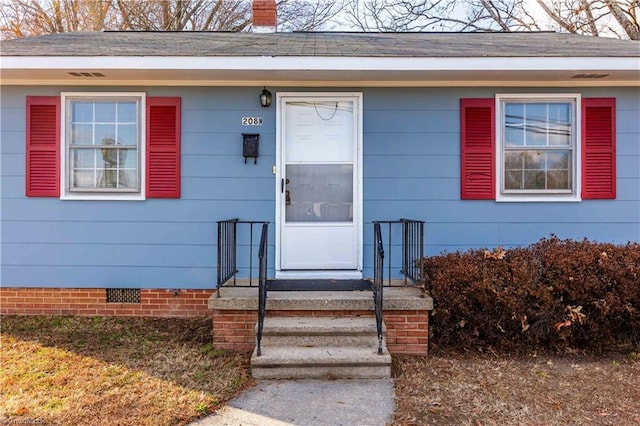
[319, 182]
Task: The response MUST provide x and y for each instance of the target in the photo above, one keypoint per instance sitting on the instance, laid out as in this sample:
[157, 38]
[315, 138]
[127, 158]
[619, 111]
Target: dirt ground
[501, 390]
[134, 371]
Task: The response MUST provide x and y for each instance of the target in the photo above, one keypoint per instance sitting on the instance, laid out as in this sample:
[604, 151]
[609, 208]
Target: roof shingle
[451, 45]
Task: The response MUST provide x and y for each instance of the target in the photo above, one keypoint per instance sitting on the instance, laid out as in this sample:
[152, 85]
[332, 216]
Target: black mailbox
[250, 143]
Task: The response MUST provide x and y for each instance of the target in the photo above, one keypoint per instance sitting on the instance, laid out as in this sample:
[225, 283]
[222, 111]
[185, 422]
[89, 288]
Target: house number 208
[252, 121]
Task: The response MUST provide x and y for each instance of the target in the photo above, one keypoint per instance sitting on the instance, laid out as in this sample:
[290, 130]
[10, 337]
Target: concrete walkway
[353, 402]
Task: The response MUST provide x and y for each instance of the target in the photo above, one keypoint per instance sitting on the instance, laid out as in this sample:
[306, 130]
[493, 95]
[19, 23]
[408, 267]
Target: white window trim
[65, 194]
[574, 196]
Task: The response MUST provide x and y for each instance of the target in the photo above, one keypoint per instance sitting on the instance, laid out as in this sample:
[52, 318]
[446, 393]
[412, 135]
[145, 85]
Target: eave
[319, 71]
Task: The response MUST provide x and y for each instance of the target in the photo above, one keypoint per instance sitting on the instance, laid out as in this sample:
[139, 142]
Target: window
[102, 145]
[537, 149]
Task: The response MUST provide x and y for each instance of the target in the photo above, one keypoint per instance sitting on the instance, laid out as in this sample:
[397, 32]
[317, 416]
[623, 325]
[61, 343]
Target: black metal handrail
[262, 285]
[378, 272]
[412, 248]
[228, 251]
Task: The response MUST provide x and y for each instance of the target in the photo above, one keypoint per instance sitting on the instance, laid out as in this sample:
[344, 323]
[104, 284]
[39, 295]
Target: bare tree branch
[20, 18]
[618, 18]
[628, 21]
[300, 15]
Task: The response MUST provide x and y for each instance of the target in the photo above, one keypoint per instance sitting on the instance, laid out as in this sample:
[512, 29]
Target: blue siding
[411, 169]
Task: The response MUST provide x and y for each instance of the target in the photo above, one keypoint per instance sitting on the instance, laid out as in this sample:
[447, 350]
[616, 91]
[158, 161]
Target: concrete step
[294, 362]
[320, 331]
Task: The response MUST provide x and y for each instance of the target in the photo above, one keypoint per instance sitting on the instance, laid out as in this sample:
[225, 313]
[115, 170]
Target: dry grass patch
[466, 390]
[114, 371]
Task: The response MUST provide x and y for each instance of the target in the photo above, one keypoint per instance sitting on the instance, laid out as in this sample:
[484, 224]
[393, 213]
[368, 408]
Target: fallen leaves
[499, 253]
[574, 314]
[451, 389]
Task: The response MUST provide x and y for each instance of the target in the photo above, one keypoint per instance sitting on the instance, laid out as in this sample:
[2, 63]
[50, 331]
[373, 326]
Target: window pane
[558, 179]
[534, 179]
[129, 159]
[560, 124]
[560, 113]
[513, 179]
[514, 124]
[558, 160]
[513, 160]
[319, 131]
[319, 193]
[105, 134]
[82, 134]
[81, 112]
[105, 112]
[536, 113]
[534, 160]
[536, 124]
[83, 158]
[126, 134]
[127, 112]
[514, 114]
[83, 168]
[82, 179]
[514, 136]
[118, 168]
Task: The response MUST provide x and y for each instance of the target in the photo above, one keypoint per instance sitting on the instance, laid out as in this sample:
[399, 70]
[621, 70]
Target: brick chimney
[264, 16]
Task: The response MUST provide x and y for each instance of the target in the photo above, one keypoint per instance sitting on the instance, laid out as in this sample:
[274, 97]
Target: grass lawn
[113, 371]
[133, 371]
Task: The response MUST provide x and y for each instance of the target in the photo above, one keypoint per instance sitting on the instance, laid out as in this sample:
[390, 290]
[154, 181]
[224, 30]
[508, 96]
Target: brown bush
[553, 295]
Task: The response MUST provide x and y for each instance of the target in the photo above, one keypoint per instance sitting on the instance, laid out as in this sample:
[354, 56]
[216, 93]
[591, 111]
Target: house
[121, 151]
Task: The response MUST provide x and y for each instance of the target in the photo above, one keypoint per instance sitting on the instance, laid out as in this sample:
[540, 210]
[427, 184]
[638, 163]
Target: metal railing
[378, 272]
[262, 284]
[228, 251]
[412, 245]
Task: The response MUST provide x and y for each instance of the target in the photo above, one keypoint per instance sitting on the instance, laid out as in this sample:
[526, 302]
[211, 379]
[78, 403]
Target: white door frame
[281, 98]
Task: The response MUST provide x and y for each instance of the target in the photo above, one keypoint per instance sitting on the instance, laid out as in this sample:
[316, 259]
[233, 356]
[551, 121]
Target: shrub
[553, 295]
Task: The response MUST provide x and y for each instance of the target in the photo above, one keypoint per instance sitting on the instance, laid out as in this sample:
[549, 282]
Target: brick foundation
[93, 301]
[407, 330]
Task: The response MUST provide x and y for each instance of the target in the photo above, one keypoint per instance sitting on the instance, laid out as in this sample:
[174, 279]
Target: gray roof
[535, 44]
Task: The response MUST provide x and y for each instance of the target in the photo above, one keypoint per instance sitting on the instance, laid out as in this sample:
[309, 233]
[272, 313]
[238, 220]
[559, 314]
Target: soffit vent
[591, 75]
[85, 74]
[123, 295]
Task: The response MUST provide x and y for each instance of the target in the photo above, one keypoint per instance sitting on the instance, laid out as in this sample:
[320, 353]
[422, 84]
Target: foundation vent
[86, 74]
[123, 295]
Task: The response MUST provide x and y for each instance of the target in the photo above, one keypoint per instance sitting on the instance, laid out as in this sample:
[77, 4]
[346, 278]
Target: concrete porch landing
[407, 298]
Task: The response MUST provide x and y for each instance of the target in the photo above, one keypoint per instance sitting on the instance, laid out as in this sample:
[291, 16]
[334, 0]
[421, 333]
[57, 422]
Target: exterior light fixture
[265, 98]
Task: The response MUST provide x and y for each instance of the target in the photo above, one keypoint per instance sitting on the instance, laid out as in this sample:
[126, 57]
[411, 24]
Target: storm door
[318, 196]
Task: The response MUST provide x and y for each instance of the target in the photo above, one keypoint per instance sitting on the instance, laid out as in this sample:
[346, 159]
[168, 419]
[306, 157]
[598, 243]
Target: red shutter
[477, 150]
[43, 146]
[598, 148]
[163, 147]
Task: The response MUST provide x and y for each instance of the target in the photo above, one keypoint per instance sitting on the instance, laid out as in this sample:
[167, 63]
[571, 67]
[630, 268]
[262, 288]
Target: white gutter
[305, 63]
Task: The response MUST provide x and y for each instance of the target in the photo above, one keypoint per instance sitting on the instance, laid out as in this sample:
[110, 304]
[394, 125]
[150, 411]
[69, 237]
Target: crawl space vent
[86, 74]
[123, 295]
[590, 75]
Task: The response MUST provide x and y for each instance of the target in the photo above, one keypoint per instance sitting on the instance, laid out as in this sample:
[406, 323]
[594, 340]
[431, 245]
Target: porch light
[265, 98]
